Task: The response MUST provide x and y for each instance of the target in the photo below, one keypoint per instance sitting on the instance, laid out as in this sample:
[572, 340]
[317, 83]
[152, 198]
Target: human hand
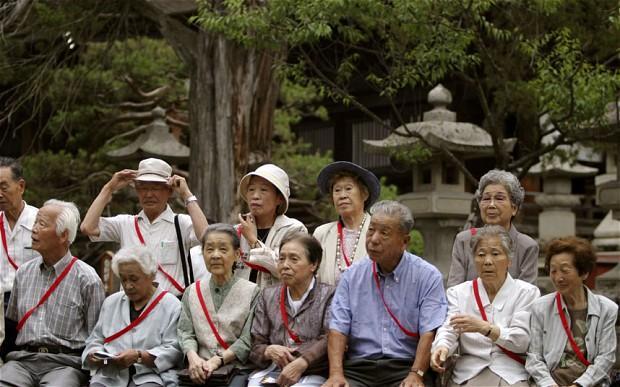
[292, 372]
[438, 359]
[463, 323]
[280, 355]
[412, 380]
[125, 358]
[198, 368]
[95, 361]
[179, 185]
[248, 228]
[121, 179]
[336, 381]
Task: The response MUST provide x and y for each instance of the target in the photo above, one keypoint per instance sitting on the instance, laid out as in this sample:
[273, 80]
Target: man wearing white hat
[156, 226]
[266, 191]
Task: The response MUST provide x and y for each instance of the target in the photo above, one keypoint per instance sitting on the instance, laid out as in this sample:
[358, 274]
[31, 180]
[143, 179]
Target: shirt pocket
[167, 252]
[64, 318]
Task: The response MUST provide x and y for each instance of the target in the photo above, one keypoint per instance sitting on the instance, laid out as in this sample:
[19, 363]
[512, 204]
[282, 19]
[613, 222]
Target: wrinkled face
[135, 282]
[44, 237]
[491, 260]
[153, 196]
[294, 266]
[564, 274]
[262, 197]
[496, 206]
[11, 191]
[219, 253]
[348, 196]
[385, 240]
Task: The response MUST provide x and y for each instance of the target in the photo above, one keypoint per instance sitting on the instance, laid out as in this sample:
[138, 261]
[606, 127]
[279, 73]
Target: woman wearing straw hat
[266, 191]
[353, 190]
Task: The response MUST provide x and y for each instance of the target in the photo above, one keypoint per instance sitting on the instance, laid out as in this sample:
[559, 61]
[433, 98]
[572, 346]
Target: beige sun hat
[273, 174]
[154, 170]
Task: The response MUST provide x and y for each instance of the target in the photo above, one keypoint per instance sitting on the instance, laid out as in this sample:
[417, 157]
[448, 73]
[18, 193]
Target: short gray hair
[68, 218]
[507, 180]
[397, 210]
[223, 228]
[135, 254]
[494, 231]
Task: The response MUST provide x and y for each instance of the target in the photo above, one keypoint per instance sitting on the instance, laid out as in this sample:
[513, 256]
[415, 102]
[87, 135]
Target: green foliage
[416, 243]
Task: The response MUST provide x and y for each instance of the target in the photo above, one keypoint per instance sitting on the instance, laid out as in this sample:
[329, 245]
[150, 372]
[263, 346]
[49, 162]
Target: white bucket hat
[273, 174]
[154, 170]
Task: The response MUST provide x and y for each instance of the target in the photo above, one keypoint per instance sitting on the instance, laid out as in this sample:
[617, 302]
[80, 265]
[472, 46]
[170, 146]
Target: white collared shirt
[295, 305]
[19, 243]
[510, 311]
[160, 237]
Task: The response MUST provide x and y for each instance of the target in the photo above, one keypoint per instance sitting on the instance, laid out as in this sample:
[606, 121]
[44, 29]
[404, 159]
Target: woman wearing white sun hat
[266, 191]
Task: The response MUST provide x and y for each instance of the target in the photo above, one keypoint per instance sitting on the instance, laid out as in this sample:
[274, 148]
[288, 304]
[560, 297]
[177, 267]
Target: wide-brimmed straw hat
[273, 174]
[368, 178]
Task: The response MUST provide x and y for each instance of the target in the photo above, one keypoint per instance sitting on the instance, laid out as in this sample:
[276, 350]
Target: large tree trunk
[232, 99]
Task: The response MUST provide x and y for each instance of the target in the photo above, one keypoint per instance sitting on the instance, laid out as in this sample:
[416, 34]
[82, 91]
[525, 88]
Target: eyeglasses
[499, 199]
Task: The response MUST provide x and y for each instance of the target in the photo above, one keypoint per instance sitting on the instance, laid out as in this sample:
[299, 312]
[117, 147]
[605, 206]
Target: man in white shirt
[16, 220]
[154, 226]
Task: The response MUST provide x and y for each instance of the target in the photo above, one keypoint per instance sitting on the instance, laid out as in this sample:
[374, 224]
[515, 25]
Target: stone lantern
[440, 203]
[156, 141]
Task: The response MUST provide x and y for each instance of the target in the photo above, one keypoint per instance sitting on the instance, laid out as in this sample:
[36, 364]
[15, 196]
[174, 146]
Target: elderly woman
[353, 190]
[291, 319]
[488, 318]
[134, 342]
[214, 327]
[499, 197]
[573, 339]
[266, 192]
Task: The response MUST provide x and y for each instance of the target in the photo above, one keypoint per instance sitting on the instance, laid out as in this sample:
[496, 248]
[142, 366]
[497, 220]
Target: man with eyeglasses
[156, 226]
[16, 220]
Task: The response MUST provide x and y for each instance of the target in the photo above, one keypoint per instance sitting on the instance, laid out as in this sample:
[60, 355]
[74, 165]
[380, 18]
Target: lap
[27, 368]
[486, 377]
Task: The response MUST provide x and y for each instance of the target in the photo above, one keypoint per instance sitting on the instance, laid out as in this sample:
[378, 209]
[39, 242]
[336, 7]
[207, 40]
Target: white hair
[135, 254]
[68, 219]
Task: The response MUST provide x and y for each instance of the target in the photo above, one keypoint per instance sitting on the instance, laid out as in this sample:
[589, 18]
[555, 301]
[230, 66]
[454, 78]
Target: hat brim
[368, 178]
[245, 182]
[151, 177]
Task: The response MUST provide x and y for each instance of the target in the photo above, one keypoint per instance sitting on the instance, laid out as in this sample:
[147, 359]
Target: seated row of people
[383, 237]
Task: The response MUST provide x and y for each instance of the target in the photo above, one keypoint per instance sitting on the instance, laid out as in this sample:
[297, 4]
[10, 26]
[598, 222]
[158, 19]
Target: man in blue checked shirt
[386, 309]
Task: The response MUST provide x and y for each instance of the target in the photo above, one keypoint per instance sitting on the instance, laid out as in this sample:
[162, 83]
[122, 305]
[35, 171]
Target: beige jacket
[327, 234]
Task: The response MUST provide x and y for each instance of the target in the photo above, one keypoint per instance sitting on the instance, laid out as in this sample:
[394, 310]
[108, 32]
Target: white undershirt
[295, 305]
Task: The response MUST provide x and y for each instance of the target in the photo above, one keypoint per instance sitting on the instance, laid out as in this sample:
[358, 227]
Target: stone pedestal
[607, 234]
[439, 216]
[557, 219]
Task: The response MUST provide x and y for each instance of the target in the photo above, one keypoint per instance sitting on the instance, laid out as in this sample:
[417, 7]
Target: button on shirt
[160, 237]
[71, 311]
[413, 291]
[510, 311]
[19, 242]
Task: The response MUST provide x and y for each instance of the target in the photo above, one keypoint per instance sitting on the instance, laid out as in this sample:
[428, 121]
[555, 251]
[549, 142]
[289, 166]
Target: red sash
[346, 259]
[4, 244]
[137, 321]
[402, 328]
[248, 264]
[473, 231]
[571, 339]
[508, 353]
[46, 295]
[161, 269]
[208, 316]
[292, 334]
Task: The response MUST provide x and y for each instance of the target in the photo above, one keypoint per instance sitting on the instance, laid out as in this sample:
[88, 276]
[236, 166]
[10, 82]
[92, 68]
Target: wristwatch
[190, 199]
[417, 371]
[139, 359]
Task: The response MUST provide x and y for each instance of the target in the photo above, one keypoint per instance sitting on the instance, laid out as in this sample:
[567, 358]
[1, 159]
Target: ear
[64, 237]
[22, 185]
[584, 276]
[514, 209]
[406, 240]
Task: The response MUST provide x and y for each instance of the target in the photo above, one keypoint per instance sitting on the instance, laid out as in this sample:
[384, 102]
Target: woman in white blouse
[134, 342]
[488, 318]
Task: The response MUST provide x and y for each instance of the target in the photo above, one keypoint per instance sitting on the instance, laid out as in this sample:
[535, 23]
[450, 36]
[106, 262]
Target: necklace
[340, 253]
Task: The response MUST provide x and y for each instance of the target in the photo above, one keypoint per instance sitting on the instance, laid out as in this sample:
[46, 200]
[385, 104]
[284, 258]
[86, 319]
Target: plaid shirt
[69, 314]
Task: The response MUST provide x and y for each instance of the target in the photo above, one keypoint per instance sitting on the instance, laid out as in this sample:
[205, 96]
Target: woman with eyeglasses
[499, 197]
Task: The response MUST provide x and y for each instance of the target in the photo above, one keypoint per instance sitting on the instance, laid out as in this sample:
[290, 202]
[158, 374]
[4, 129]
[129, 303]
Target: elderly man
[16, 219]
[386, 309]
[56, 301]
[156, 226]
